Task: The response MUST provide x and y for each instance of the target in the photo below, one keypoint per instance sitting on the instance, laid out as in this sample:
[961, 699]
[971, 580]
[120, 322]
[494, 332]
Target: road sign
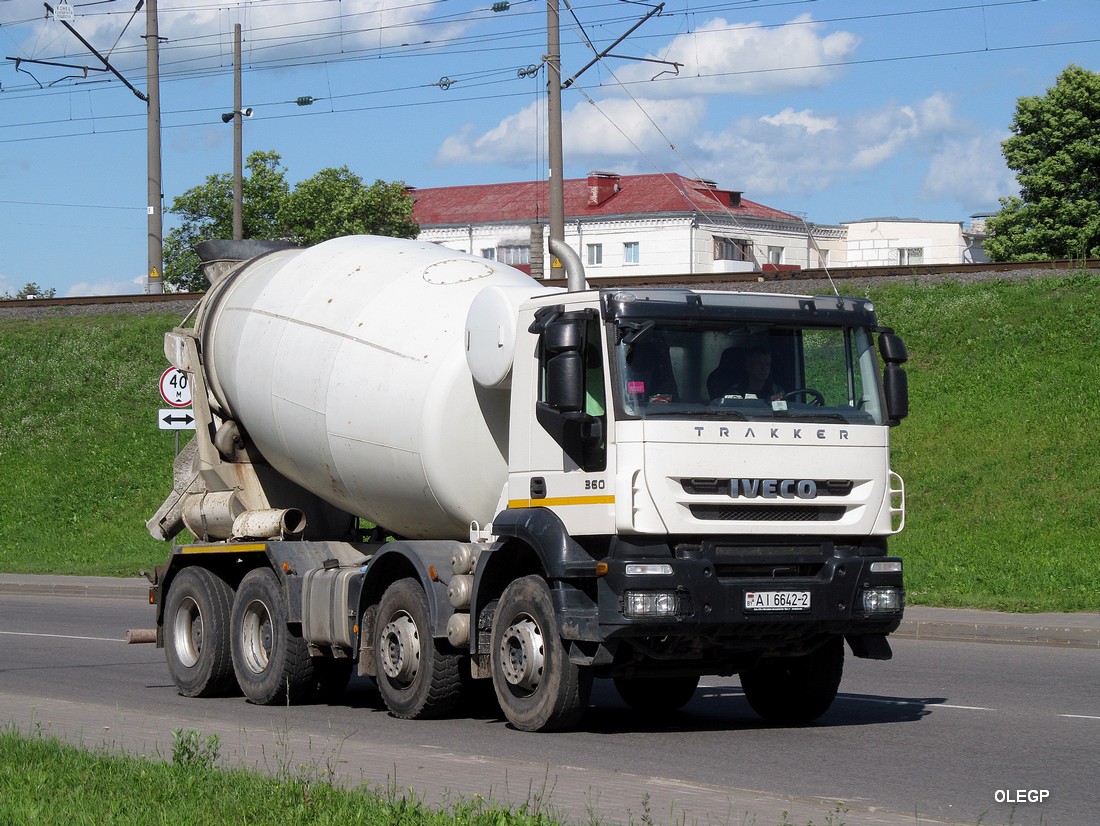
[175, 418]
[175, 387]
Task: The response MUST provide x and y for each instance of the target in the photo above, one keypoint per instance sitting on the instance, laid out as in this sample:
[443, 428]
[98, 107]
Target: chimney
[601, 186]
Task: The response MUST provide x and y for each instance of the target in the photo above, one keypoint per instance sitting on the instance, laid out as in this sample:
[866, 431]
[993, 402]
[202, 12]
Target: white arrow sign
[175, 418]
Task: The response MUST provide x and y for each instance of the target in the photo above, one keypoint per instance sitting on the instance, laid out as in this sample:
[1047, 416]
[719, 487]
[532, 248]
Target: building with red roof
[626, 225]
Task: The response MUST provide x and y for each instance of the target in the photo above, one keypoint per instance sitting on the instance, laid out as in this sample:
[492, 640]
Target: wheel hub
[523, 654]
[400, 649]
[188, 633]
[256, 637]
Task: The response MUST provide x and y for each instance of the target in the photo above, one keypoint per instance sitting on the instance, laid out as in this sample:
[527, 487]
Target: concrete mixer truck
[425, 467]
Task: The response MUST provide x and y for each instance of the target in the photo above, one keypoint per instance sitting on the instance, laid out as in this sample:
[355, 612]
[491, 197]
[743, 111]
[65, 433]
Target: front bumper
[705, 600]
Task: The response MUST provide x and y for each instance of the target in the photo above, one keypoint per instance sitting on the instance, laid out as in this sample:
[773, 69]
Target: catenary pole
[553, 118]
[155, 277]
[238, 139]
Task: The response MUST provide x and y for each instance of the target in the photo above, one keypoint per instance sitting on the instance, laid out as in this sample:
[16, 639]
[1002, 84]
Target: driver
[756, 381]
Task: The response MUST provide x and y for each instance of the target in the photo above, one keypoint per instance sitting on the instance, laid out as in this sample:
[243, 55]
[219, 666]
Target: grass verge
[45, 781]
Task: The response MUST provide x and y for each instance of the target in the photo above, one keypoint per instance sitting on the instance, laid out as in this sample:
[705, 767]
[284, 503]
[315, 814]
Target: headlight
[882, 600]
[650, 604]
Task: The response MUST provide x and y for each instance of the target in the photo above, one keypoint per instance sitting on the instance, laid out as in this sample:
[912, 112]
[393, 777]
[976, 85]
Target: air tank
[347, 366]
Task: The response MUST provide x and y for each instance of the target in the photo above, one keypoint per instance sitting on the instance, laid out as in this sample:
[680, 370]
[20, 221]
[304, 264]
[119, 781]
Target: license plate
[777, 600]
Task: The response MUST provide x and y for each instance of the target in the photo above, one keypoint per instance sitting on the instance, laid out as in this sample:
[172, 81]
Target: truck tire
[795, 690]
[656, 695]
[538, 688]
[416, 676]
[196, 633]
[273, 665]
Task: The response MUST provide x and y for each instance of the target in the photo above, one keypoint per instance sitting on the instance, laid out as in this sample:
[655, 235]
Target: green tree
[207, 212]
[30, 290]
[1056, 156]
[335, 202]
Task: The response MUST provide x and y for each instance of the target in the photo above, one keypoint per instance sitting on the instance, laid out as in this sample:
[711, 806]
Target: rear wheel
[196, 633]
[416, 676]
[272, 664]
[656, 695]
[793, 690]
[538, 688]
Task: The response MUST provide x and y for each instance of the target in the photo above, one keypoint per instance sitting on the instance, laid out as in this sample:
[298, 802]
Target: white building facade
[639, 226]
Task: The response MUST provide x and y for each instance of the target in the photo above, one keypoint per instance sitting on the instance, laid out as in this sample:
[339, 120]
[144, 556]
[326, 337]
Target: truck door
[566, 425]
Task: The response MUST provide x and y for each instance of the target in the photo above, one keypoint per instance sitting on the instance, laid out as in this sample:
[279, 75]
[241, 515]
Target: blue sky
[833, 109]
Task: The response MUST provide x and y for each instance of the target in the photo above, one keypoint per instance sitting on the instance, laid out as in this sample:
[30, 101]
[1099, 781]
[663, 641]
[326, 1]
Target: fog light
[881, 600]
[638, 569]
[649, 604]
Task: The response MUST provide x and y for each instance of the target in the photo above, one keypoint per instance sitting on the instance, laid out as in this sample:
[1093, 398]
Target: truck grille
[721, 487]
[761, 513]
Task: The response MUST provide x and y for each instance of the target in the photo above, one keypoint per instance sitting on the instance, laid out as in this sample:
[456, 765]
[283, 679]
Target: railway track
[169, 302]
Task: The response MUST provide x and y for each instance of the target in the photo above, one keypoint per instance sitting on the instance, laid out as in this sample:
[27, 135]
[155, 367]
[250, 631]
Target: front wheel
[416, 676]
[795, 690]
[272, 664]
[538, 688]
[196, 633]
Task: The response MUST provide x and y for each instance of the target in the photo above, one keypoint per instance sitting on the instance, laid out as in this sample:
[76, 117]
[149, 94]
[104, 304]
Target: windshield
[748, 372]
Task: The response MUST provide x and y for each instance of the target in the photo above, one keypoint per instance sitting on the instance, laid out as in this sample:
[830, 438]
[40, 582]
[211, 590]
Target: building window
[631, 252]
[514, 255]
[490, 253]
[911, 255]
[732, 249]
[775, 255]
[595, 254]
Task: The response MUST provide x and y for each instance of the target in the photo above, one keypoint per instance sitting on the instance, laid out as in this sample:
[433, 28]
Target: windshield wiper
[700, 413]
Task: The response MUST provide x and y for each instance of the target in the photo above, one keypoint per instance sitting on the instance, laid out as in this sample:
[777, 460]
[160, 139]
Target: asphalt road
[945, 732]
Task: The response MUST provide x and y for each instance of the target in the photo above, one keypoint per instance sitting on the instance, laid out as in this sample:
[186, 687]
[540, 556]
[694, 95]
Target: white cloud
[200, 33]
[804, 152]
[806, 119]
[720, 57]
[972, 170]
[107, 287]
[614, 130]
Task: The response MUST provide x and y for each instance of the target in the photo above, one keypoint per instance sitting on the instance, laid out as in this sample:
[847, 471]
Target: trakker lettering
[820, 433]
[773, 488]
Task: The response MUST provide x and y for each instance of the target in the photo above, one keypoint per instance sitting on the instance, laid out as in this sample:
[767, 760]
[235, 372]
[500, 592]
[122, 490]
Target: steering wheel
[816, 396]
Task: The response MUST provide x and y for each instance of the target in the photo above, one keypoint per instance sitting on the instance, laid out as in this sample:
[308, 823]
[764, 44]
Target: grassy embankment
[1000, 480]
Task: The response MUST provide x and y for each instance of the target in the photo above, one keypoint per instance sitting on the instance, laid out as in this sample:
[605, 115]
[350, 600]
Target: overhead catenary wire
[339, 55]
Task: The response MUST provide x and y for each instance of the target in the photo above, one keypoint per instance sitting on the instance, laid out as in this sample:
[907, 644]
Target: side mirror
[562, 345]
[896, 385]
[565, 382]
[892, 349]
[562, 414]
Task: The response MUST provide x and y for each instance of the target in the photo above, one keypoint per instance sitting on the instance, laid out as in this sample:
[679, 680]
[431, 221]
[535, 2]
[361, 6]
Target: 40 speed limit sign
[175, 387]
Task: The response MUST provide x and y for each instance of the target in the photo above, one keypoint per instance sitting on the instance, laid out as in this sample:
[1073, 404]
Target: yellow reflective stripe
[560, 501]
[223, 549]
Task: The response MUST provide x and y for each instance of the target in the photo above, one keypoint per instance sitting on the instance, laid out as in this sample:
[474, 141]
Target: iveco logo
[773, 488]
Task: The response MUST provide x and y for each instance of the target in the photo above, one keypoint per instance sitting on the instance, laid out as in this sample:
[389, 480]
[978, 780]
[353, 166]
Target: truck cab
[730, 524]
